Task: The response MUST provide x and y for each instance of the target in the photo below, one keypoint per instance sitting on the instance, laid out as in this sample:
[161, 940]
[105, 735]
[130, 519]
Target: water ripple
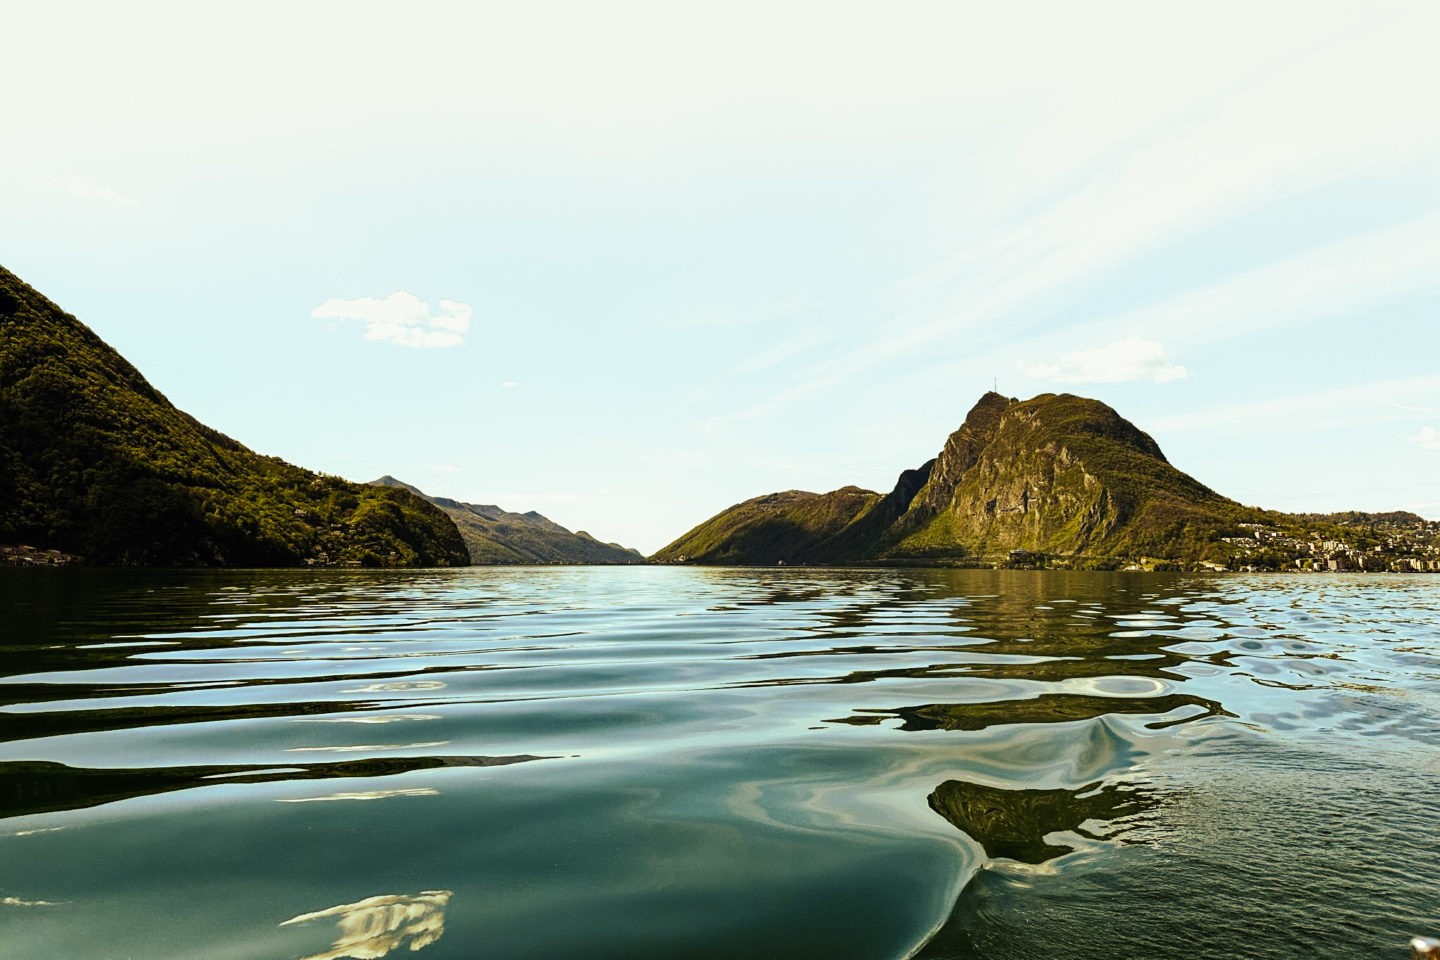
[807, 763]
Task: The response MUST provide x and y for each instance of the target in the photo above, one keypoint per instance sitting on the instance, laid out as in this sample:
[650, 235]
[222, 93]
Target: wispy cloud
[509, 384]
[1252, 144]
[1379, 402]
[88, 189]
[1316, 283]
[402, 318]
[766, 407]
[1132, 358]
[528, 500]
[780, 351]
[1428, 438]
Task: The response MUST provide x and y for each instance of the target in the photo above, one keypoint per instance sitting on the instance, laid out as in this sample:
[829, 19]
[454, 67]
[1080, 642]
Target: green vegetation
[790, 527]
[495, 536]
[1058, 481]
[95, 462]
[1068, 476]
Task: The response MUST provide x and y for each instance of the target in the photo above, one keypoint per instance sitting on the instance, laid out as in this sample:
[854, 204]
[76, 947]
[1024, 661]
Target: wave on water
[660, 762]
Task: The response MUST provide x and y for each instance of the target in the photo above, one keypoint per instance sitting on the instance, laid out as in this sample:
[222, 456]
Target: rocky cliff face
[1057, 474]
[962, 451]
[1029, 492]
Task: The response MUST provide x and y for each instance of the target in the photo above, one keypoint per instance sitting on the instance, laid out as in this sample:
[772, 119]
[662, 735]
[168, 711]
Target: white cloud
[1132, 358]
[509, 383]
[402, 318]
[1428, 438]
[88, 189]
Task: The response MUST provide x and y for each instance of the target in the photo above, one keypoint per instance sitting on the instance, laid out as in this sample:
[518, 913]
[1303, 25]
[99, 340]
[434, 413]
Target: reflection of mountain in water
[40, 786]
[371, 928]
[1041, 629]
[1046, 708]
[1013, 823]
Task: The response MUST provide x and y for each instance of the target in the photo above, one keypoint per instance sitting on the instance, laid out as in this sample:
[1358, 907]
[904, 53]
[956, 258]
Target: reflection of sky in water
[716, 763]
[375, 926]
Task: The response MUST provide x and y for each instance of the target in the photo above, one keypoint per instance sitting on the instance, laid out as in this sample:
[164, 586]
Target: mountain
[96, 463]
[1058, 475]
[788, 527]
[495, 536]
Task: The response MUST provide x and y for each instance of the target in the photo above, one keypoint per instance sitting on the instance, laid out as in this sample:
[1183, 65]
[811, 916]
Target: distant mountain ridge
[1057, 475]
[496, 536]
[96, 463]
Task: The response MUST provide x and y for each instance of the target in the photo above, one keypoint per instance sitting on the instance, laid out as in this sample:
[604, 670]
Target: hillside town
[1320, 543]
[1392, 543]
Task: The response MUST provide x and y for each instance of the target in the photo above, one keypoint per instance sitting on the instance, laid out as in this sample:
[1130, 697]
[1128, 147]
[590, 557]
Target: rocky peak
[389, 481]
[962, 450]
[1065, 415]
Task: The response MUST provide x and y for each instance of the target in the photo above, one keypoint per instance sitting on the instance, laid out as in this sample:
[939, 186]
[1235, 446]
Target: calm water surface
[690, 763]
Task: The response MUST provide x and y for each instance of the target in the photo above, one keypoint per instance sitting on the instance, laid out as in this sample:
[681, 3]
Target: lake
[668, 762]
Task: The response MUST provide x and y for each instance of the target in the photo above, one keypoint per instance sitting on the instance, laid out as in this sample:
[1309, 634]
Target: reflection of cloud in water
[17, 902]
[368, 795]
[253, 772]
[369, 718]
[366, 747]
[371, 928]
[399, 686]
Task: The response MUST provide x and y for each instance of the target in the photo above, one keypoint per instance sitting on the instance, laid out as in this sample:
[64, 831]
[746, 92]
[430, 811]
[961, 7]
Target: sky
[628, 264]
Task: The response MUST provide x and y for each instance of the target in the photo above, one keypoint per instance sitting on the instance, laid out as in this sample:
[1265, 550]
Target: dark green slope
[95, 462]
[882, 524]
[789, 527]
[495, 536]
[1057, 474]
